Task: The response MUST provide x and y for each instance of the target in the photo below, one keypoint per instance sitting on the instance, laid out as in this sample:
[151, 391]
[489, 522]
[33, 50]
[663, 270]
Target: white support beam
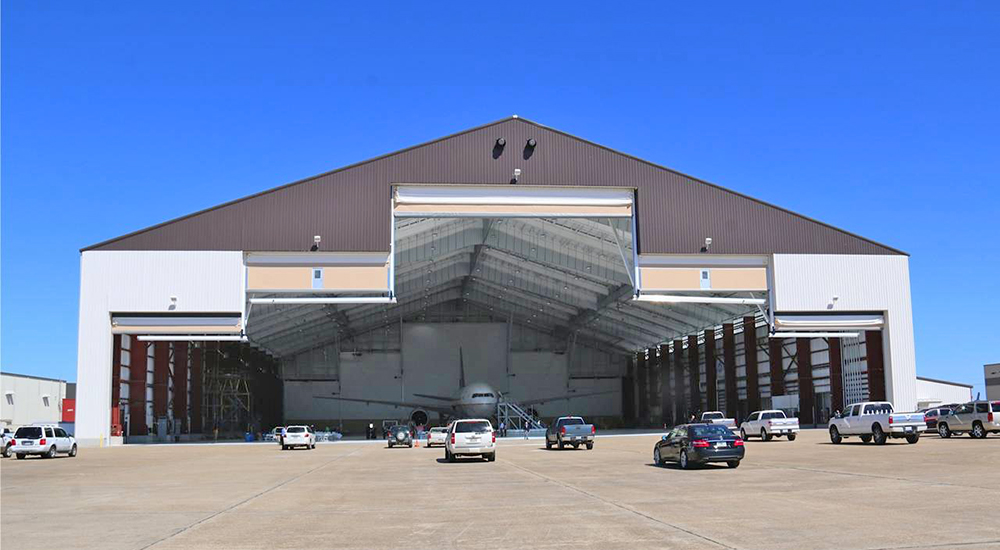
[321, 301]
[674, 299]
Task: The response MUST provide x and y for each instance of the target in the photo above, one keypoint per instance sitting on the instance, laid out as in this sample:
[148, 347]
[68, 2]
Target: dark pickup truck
[570, 430]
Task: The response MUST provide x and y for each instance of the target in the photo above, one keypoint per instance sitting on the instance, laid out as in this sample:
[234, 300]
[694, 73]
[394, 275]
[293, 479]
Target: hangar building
[554, 274]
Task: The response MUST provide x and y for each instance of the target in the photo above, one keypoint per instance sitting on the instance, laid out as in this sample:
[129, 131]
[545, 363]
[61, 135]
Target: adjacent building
[30, 399]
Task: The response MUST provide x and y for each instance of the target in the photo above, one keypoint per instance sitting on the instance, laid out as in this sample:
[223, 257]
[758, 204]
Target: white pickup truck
[768, 424]
[876, 421]
[717, 417]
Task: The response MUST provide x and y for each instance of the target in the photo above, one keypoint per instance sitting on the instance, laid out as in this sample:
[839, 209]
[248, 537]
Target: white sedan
[298, 436]
[437, 436]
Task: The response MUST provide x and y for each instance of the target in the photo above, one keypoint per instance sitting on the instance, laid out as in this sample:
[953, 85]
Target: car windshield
[396, 429]
[296, 430]
[709, 431]
[468, 427]
[712, 416]
[30, 432]
[570, 421]
[770, 415]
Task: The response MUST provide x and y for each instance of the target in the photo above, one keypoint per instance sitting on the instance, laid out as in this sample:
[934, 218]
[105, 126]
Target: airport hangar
[542, 263]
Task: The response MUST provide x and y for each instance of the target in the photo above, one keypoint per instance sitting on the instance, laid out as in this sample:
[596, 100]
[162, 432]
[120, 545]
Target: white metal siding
[141, 281]
[25, 404]
[809, 282]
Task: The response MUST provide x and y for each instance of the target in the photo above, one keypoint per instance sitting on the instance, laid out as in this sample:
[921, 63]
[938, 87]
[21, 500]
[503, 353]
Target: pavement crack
[620, 506]
[250, 498]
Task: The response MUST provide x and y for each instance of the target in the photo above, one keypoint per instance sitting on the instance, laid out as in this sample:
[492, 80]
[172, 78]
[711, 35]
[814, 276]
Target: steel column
[161, 374]
[666, 406]
[679, 401]
[197, 384]
[137, 388]
[712, 394]
[775, 352]
[655, 375]
[181, 385]
[643, 388]
[695, 375]
[876, 365]
[836, 375]
[116, 371]
[729, 356]
[750, 360]
[803, 358]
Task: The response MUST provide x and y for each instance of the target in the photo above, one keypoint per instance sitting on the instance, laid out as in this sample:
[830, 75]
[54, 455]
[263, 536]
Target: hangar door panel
[500, 201]
[318, 273]
[185, 324]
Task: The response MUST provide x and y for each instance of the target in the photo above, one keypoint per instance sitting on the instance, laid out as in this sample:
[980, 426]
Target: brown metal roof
[350, 206]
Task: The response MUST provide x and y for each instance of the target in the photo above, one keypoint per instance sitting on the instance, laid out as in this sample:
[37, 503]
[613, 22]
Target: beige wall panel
[177, 329]
[266, 278]
[739, 279]
[659, 278]
[356, 278]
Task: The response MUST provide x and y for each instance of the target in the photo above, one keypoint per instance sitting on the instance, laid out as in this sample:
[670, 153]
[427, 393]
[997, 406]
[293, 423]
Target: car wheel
[21, 456]
[493, 457]
[450, 456]
[6, 451]
[943, 430]
[835, 435]
[548, 444]
[791, 437]
[733, 463]
[912, 438]
[51, 453]
[743, 434]
[867, 438]
[683, 460]
[764, 436]
[657, 459]
[977, 431]
[576, 445]
[390, 445]
[284, 447]
[72, 452]
[590, 446]
[878, 436]
[562, 445]
[410, 445]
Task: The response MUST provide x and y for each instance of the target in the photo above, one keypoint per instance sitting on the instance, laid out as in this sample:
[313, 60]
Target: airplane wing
[529, 402]
[435, 408]
[434, 397]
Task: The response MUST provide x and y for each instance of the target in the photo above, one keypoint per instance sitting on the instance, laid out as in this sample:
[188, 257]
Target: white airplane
[476, 400]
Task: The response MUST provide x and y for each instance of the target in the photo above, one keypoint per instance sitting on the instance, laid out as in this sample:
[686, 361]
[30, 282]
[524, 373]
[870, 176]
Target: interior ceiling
[564, 277]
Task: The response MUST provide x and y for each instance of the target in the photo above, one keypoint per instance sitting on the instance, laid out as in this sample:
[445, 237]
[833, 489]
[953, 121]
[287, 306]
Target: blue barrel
[248, 436]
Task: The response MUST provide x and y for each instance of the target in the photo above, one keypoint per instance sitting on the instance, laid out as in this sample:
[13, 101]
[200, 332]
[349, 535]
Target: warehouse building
[30, 399]
[544, 269]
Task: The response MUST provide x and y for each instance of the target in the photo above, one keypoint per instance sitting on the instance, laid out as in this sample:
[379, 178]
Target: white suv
[298, 436]
[471, 437]
[46, 441]
[437, 436]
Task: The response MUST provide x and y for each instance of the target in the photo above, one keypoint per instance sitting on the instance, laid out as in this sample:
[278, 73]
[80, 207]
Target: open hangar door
[530, 291]
[188, 377]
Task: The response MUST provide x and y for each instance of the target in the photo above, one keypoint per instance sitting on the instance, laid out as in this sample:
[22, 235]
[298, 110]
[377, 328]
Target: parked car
[570, 430]
[298, 436]
[977, 418]
[437, 436]
[768, 424]
[876, 421]
[275, 434]
[717, 417]
[471, 437]
[399, 435]
[932, 415]
[43, 440]
[692, 444]
[8, 436]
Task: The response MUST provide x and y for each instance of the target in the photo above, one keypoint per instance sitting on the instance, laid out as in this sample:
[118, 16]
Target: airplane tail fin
[461, 369]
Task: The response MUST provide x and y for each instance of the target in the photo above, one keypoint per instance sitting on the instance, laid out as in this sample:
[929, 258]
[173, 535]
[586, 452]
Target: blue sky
[880, 118]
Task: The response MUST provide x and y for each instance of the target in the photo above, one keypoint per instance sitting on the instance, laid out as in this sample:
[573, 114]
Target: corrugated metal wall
[350, 207]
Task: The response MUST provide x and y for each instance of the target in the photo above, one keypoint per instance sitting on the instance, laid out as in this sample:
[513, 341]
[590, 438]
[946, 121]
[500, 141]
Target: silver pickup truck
[876, 421]
[717, 417]
[570, 430]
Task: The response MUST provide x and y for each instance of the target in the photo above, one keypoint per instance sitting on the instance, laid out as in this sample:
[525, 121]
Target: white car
[437, 436]
[46, 441]
[471, 437]
[298, 436]
[717, 417]
[8, 436]
[768, 424]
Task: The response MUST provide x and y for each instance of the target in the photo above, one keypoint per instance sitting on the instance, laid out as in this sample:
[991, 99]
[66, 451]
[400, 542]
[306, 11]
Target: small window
[317, 274]
[982, 407]
[61, 432]
[10, 399]
[45, 400]
[49, 432]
